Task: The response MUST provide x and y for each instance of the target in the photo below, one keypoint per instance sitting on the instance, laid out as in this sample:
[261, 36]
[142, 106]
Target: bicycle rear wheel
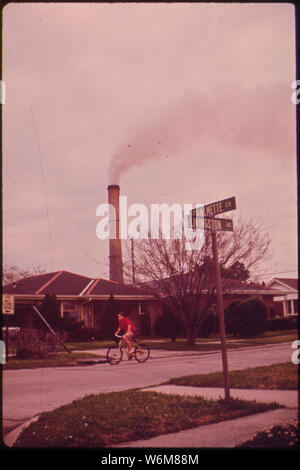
[141, 352]
[114, 355]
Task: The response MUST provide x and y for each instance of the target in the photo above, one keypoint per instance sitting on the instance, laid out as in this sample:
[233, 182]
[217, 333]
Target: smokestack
[115, 244]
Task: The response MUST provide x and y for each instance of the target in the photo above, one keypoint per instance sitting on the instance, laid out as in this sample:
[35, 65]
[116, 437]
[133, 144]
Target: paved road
[28, 392]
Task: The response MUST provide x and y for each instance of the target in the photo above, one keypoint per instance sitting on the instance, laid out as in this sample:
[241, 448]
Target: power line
[280, 272]
[44, 186]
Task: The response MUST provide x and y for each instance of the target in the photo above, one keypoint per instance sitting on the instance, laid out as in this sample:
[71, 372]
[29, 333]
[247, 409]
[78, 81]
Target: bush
[232, 318]
[145, 324]
[30, 343]
[276, 324]
[209, 325]
[246, 318]
[76, 331]
[251, 318]
[50, 311]
[168, 324]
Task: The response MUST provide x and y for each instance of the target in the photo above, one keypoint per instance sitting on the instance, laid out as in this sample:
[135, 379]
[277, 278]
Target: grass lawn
[283, 376]
[59, 360]
[112, 418]
[81, 349]
[201, 344]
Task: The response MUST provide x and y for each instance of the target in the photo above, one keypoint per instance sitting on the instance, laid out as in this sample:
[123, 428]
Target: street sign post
[8, 308]
[221, 314]
[205, 218]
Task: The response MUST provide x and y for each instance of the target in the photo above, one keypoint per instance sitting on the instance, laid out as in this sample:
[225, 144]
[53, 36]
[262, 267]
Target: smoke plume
[259, 119]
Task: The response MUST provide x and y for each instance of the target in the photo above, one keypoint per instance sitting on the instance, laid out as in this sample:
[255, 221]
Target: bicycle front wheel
[141, 352]
[114, 355]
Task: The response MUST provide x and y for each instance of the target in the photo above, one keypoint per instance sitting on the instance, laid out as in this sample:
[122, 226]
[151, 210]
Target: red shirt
[124, 324]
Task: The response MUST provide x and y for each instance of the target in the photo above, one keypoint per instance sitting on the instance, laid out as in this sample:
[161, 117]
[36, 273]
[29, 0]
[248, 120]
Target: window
[70, 311]
[295, 306]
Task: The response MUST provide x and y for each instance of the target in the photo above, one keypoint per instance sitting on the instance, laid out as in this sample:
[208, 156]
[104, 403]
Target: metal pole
[220, 314]
[46, 323]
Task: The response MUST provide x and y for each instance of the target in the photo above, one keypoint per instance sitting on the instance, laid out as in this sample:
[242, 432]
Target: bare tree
[12, 273]
[183, 280]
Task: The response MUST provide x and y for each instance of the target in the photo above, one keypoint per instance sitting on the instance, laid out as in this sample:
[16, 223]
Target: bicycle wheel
[141, 352]
[114, 355]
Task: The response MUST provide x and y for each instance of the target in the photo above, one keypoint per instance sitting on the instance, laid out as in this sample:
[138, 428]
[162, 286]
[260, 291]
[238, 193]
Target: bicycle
[114, 354]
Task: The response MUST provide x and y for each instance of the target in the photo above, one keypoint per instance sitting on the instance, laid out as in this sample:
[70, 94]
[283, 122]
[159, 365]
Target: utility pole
[132, 261]
[220, 313]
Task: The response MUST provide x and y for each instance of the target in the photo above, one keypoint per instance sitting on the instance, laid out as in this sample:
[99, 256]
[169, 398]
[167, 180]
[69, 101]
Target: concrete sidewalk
[226, 433]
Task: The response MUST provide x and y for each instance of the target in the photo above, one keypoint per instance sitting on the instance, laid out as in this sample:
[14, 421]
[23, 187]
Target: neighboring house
[231, 289]
[240, 290]
[80, 297]
[286, 303]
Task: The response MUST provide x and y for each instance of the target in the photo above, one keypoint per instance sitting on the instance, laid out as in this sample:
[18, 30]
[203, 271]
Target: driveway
[28, 392]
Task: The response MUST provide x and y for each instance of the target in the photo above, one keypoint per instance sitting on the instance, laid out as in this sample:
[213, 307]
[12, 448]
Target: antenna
[44, 186]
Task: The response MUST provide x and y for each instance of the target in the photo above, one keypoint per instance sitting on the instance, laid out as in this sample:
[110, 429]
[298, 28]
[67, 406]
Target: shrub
[168, 324]
[276, 324]
[232, 318]
[108, 321]
[76, 331]
[30, 343]
[50, 311]
[251, 318]
[209, 325]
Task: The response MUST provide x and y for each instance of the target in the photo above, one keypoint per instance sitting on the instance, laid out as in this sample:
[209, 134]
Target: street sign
[209, 223]
[225, 205]
[8, 304]
[229, 204]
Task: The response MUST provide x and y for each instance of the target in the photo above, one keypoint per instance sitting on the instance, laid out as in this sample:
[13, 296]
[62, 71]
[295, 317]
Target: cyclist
[129, 329]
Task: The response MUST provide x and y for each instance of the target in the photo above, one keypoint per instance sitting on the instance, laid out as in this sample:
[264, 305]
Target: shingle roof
[291, 282]
[104, 287]
[28, 285]
[207, 284]
[67, 283]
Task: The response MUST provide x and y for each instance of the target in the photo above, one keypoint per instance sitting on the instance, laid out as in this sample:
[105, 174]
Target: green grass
[113, 418]
[202, 344]
[270, 337]
[59, 360]
[283, 376]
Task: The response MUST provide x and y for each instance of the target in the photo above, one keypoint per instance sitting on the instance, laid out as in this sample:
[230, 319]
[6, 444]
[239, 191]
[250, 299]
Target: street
[28, 392]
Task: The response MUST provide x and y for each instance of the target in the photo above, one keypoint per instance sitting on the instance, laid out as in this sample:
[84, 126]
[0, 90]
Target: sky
[185, 103]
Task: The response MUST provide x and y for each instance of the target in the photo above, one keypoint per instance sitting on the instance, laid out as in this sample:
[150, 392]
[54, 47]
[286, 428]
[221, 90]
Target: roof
[65, 283]
[229, 286]
[290, 282]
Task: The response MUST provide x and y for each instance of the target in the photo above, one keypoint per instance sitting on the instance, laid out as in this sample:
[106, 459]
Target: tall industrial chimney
[115, 244]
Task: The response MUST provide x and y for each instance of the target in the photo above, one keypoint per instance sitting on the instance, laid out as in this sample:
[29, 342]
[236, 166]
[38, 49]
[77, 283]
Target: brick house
[286, 300]
[80, 298]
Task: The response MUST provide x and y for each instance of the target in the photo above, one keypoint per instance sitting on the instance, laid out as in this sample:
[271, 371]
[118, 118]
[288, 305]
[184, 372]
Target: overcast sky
[178, 103]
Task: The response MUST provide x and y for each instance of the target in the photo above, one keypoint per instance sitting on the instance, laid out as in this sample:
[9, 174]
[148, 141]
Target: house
[80, 298]
[286, 301]
[85, 299]
[232, 290]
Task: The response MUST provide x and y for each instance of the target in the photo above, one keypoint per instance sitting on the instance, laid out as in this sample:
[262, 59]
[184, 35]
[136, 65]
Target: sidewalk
[226, 433]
